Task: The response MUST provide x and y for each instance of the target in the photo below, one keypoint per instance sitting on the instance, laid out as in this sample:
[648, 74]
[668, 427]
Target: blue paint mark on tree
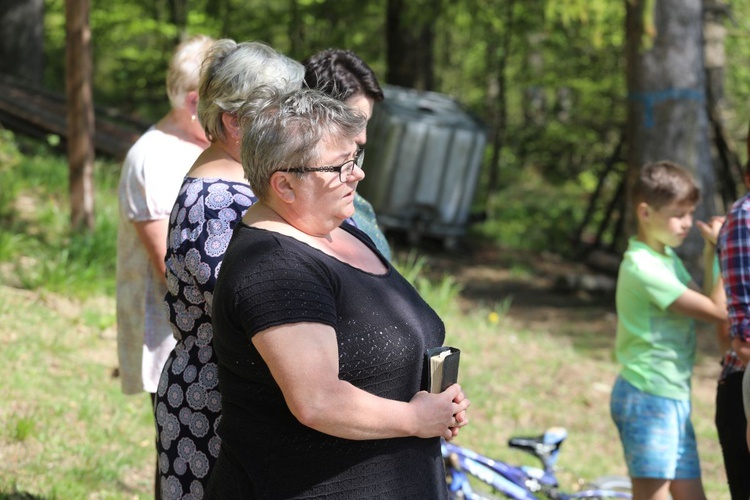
[650, 99]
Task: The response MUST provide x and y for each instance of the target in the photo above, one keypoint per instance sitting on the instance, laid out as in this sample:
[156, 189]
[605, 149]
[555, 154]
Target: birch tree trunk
[667, 117]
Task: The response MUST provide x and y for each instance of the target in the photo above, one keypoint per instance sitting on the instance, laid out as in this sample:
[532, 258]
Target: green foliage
[535, 214]
[82, 263]
[564, 82]
[596, 17]
[10, 158]
[738, 74]
[441, 294]
[36, 245]
[133, 41]
[548, 76]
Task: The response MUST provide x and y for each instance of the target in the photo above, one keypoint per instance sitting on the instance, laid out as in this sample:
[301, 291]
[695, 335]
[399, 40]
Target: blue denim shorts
[656, 433]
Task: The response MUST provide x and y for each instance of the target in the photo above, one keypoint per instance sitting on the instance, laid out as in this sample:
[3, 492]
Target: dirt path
[547, 292]
[541, 287]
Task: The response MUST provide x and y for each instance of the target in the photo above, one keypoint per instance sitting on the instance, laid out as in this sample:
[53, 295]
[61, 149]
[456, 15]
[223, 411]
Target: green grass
[36, 245]
[441, 294]
[67, 432]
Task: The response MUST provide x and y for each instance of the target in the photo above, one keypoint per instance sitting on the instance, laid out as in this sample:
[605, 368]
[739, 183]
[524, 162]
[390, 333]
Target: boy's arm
[709, 259]
[713, 285]
[710, 264]
[694, 304]
[719, 297]
[697, 306]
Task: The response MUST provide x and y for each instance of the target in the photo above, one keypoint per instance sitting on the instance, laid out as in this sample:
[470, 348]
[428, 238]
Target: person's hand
[742, 349]
[440, 414]
[461, 418]
[710, 230]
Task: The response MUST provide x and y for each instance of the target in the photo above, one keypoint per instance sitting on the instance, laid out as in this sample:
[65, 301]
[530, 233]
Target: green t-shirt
[656, 347]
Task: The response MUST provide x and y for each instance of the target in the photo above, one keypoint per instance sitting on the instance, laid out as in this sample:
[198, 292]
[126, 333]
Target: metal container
[424, 154]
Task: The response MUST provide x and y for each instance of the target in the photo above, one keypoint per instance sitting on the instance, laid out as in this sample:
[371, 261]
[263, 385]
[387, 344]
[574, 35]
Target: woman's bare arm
[303, 359]
[153, 235]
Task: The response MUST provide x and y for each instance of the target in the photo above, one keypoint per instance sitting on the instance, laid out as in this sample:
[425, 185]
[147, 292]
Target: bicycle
[521, 482]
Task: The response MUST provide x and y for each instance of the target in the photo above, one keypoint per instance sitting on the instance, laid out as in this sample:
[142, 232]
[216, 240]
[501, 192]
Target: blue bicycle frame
[506, 479]
[515, 482]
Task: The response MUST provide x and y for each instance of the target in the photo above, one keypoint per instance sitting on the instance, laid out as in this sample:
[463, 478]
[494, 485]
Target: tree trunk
[724, 156]
[80, 113]
[497, 92]
[410, 40]
[296, 29]
[178, 13]
[667, 118]
[22, 40]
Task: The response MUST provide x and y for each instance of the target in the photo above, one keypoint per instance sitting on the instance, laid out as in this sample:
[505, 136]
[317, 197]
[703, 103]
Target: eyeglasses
[345, 170]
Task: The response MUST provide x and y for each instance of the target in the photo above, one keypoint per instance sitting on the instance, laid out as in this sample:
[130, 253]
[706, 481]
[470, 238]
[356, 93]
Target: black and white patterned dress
[188, 404]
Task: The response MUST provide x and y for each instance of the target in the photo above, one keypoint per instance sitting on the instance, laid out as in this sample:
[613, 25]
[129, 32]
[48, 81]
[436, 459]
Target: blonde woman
[151, 175]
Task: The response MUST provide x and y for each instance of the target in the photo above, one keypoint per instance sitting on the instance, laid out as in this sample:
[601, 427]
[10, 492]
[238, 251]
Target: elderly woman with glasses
[320, 341]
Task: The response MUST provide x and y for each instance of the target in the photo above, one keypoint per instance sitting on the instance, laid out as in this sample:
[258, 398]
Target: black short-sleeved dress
[383, 328]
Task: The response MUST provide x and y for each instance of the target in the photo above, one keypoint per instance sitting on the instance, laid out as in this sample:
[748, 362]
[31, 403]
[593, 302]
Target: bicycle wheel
[614, 483]
[469, 494]
[474, 495]
[607, 487]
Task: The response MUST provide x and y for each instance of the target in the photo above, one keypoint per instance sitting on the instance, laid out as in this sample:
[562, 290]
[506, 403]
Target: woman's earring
[192, 118]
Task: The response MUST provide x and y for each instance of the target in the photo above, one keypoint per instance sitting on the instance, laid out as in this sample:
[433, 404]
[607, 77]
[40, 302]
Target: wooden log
[37, 113]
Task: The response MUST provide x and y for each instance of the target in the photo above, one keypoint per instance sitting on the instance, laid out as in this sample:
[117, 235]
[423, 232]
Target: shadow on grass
[20, 495]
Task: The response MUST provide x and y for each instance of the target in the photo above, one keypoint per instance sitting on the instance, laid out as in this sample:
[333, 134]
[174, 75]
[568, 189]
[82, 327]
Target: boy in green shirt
[657, 305]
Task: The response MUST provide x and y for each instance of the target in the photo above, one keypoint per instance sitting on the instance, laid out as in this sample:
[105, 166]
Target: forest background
[548, 78]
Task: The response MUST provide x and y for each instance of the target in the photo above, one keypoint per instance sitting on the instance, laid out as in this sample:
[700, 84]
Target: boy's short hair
[662, 183]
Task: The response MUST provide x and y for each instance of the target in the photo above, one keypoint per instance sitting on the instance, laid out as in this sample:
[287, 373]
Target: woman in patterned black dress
[320, 341]
[213, 197]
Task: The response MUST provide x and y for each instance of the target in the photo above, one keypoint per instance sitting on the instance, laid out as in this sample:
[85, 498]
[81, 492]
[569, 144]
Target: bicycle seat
[544, 447]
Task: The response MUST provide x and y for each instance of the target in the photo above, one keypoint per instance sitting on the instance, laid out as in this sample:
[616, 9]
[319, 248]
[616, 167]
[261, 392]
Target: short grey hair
[232, 71]
[183, 74]
[284, 130]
